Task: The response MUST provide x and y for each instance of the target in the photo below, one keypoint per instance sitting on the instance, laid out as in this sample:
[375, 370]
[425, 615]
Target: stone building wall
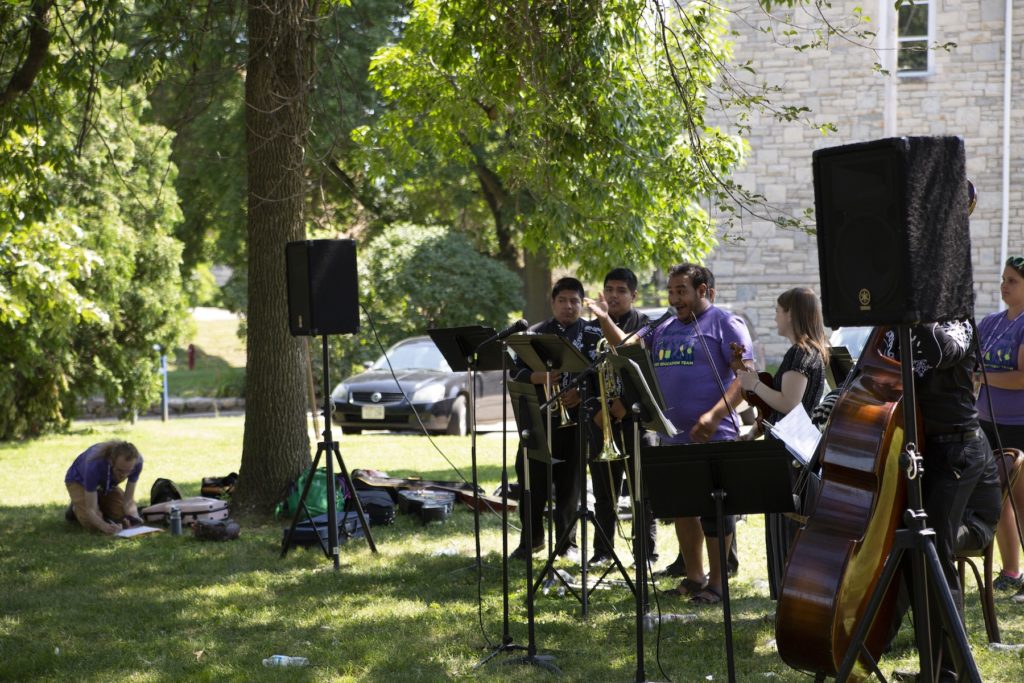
[963, 95]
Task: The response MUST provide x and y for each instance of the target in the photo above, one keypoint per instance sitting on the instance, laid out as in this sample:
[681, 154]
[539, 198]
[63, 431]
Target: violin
[755, 401]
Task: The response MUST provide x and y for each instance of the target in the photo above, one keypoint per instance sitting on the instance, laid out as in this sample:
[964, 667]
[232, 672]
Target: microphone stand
[507, 643]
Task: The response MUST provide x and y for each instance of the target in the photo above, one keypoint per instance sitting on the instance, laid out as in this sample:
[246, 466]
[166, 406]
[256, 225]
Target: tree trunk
[537, 286]
[275, 447]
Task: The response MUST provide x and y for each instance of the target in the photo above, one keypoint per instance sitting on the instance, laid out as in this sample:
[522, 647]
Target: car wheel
[458, 423]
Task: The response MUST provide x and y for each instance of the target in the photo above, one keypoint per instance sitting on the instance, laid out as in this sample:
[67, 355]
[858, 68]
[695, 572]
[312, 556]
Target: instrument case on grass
[312, 532]
[195, 509]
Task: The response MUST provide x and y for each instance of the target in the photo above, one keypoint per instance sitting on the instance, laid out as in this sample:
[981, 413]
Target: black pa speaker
[893, 240]
[323, 287]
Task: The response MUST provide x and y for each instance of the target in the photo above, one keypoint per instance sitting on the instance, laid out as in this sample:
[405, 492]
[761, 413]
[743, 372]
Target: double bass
[837, 558]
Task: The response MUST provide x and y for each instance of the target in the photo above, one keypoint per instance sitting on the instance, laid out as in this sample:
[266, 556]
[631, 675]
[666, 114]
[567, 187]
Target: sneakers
[1004, 582]
[599, 558]
[1018, 597]
[69, 514]
[570, 553]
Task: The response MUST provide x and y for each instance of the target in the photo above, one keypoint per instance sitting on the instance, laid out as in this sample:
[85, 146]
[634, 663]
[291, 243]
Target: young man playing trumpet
[614, 309]
[566, 307]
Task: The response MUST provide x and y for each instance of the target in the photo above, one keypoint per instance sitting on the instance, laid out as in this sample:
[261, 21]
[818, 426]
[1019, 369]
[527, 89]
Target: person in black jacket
[956, 454]
[566, 307]
[614, 307]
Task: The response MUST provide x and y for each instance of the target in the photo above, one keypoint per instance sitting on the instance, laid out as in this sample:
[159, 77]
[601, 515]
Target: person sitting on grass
[92, 481]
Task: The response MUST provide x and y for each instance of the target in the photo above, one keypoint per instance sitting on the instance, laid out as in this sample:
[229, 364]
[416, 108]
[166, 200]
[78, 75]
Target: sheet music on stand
[798, 433]
[634, 382]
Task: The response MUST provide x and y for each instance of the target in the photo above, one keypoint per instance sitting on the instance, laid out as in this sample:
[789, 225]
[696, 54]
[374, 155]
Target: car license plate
[373, 412]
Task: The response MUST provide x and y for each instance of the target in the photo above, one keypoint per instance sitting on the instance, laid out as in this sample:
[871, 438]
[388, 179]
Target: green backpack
[316, 499]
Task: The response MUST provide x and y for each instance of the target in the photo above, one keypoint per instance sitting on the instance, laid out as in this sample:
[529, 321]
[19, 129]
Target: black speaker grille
[893, 244]
[323, 287]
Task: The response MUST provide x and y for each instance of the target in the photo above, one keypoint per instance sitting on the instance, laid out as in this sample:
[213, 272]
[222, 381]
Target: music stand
[461, 348]
[547, 353]
[840, 362]
[533, 445]
[644, 410]
[719, 478]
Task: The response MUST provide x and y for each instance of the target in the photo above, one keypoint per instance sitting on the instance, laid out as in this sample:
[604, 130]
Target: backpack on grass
[316, 499]
[219, 487]
[163, 490]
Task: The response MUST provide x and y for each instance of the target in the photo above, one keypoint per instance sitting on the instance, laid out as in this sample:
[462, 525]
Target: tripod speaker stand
[323, 299]
[328, 446]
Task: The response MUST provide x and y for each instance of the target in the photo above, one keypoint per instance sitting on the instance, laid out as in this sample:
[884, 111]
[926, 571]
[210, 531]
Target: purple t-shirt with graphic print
[687, 376]
[92, 471]
[1001, 340]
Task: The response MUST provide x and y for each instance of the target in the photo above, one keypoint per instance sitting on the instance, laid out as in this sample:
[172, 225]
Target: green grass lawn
[81, 607]
[219, 367]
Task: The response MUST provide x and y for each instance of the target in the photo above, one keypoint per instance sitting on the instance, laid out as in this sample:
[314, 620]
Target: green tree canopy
[416, 278]
[89, 277]
[582, 124]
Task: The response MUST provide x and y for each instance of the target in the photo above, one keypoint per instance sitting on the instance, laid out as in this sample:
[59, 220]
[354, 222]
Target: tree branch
[38, 48]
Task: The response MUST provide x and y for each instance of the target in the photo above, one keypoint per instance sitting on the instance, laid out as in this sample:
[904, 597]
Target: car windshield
[414, 355]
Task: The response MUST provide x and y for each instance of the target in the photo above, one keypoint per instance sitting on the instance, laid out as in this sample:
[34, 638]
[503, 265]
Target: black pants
[564, 448]
[607, 481]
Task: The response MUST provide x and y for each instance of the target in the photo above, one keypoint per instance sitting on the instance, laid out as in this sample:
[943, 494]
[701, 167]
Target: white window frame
[929, 41]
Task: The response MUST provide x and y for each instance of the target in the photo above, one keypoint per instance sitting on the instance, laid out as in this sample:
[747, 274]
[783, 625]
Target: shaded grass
[86, 608]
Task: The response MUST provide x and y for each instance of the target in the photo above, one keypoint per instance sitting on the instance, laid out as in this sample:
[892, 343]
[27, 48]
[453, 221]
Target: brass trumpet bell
[605, 381]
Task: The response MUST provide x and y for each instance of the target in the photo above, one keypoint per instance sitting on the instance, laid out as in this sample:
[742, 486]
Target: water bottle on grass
[285, 660]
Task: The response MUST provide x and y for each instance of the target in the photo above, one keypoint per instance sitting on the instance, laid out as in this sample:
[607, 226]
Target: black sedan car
[373, 400]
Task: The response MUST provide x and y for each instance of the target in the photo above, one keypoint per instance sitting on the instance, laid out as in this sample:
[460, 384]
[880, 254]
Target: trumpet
[565, 420]
[606, 381]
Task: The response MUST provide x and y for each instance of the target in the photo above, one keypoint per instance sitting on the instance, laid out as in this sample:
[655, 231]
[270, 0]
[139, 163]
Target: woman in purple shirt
[92, 482]
[1002, 347]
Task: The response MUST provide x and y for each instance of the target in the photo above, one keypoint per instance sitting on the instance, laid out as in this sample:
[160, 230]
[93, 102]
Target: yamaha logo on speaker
[864, 297]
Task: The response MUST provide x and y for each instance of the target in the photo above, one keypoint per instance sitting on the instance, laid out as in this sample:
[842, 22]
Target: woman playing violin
[800, 379]
[801, 376]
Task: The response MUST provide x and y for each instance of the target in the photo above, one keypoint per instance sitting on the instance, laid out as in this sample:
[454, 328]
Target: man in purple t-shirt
[691, 354]
[97, 502]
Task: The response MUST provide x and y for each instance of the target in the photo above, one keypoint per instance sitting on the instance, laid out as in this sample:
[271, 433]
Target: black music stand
[840, 363]
[548, 353]
[533, 444]
[464, 350]
[645, 410]
[918, 539]
[328, 446]
[719, 478]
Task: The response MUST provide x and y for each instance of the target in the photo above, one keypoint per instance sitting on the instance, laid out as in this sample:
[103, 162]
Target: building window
[914, 27]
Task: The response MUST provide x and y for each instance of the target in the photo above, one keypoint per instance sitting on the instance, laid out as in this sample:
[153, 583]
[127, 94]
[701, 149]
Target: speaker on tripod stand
[894, 250]
[893, 241]
[323, 299]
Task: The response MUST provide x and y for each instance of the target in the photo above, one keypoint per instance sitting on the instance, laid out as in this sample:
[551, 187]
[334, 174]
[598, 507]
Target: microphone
[669, 313]
[517, 326]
